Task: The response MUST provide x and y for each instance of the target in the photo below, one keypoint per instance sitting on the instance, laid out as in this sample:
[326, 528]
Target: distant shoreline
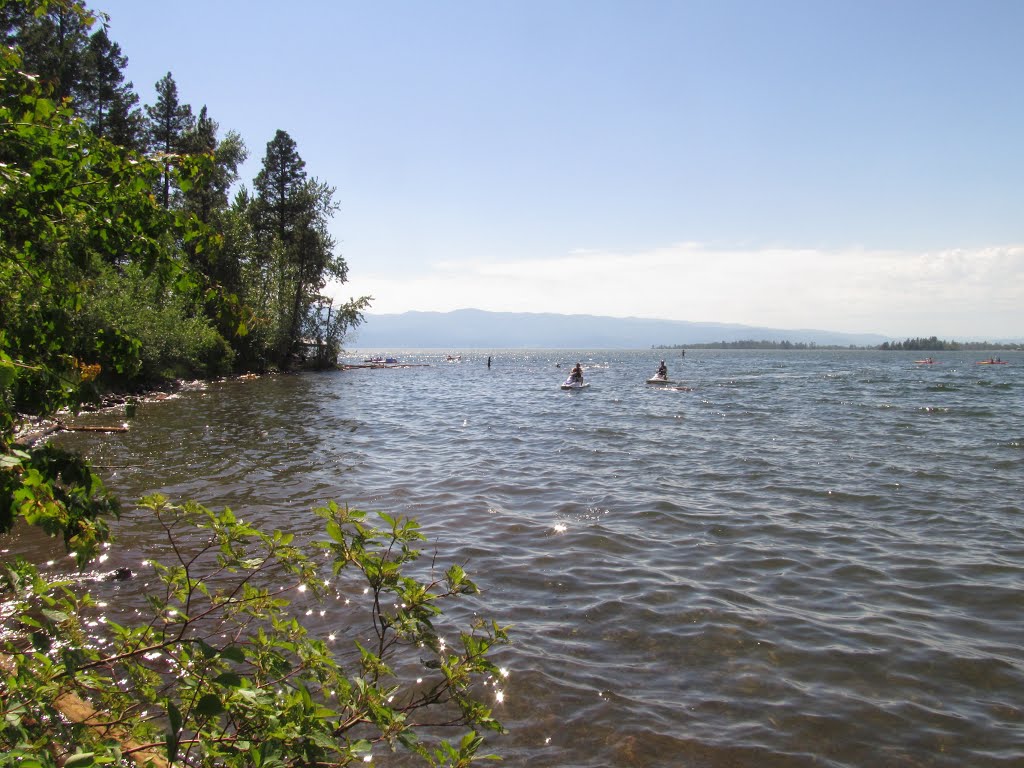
[909, 345]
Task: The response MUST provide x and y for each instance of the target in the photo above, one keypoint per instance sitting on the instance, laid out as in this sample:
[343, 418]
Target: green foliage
[76, 209]
[291, 252]
[225, 675]
[174, 335]
[102, 283]
[67, 200]
[934, 344]
[53, 38]
[169, 123]
[58, 492]
[325, 327]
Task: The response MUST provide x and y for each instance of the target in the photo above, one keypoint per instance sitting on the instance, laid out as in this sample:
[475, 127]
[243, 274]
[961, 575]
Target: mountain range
[477, 329]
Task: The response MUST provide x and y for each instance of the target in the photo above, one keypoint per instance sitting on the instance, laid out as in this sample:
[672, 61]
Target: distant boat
[992, 361]
[454, 358]
[380, 360]
[926, 361]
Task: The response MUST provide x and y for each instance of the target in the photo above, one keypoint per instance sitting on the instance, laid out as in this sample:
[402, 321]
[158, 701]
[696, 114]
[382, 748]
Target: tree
[87, 69]
[208, 195]
[73, 205]
[277, 187]
[168, 125]
[52, 38]
[107, 103]
[326, 326]
[289, 215]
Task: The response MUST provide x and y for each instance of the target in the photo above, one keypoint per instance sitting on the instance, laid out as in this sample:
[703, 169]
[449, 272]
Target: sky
[845, 165]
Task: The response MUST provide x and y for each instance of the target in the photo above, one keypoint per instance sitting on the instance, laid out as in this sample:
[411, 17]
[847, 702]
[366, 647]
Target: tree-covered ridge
[123, 262]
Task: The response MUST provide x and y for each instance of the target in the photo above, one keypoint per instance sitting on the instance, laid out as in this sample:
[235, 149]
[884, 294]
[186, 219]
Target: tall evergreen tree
[289, 218]
[169, 123]
[52, 43]
[209, 194]
[107, 103]
[88, 69]
[13, 19]
[277, 186]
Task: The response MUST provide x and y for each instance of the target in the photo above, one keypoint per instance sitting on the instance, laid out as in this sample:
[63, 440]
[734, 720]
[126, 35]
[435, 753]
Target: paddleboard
[657, 380]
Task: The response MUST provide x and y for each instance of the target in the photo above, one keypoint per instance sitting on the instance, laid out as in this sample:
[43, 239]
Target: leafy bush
[175, 338]
[224, 674]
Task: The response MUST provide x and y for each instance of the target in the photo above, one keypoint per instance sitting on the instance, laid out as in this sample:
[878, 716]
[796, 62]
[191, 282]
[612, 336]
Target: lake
[805, 558]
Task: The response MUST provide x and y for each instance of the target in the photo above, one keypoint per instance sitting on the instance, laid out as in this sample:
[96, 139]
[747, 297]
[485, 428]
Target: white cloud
[957, 293]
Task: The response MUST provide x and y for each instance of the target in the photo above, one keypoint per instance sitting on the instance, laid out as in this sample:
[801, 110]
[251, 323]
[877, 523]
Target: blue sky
[851, 165]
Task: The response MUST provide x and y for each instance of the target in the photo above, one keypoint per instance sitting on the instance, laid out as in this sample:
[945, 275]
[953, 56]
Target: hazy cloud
[955, 293]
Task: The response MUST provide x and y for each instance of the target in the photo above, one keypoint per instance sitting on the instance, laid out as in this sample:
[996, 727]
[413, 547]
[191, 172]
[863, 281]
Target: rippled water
[798, 559]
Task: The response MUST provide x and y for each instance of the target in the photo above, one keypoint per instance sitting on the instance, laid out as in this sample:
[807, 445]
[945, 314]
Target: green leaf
[81, 760]
[57, 617]
[233, 653]
[228, 679]
[174, 733]
[209, 706]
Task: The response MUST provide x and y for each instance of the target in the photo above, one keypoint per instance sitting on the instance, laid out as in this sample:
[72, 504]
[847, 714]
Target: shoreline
[33, 429]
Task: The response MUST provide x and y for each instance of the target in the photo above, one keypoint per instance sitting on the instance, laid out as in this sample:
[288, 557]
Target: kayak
[925, 362]
[658, 380]
[570, 384]
[991, 362]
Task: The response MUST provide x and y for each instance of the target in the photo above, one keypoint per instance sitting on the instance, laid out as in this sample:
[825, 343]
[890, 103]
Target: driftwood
[75, 709]
[90, 428]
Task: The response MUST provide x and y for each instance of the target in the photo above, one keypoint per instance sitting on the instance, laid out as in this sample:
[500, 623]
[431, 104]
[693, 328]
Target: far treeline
[931, 344]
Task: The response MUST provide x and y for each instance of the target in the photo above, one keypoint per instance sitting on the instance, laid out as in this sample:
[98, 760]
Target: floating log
[91, 428]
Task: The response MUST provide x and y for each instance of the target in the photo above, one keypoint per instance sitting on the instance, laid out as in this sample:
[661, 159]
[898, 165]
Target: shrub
[222, 673]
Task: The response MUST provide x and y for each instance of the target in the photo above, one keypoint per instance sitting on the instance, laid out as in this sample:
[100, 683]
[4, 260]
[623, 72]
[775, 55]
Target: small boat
[926, 361]
[990, 361]
[571, 383]
[377, 359]
[454, 358]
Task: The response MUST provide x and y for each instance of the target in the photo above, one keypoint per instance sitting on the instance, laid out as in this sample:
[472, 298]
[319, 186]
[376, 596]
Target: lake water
[797, 559]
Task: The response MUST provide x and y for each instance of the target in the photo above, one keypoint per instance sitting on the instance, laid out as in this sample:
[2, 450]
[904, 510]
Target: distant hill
[477, 329]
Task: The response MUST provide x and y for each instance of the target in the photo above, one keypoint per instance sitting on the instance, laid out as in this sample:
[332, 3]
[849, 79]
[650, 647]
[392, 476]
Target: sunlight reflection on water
[794, 559]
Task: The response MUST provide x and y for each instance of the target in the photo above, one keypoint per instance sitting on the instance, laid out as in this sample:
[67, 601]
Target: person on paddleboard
[662, 371]
[577, 374]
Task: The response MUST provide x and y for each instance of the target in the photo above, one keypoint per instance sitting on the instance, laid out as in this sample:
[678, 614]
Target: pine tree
[289, 219]
[169, 123]
[107, 103]
[209, 194]
[52, 44]
[277, 186]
